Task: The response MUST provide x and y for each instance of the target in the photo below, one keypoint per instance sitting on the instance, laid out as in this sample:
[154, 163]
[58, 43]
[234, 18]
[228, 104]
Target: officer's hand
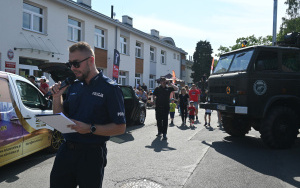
[80, 127]
[56, 92]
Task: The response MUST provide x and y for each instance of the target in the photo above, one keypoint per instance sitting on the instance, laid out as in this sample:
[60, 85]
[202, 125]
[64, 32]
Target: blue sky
[220, 22]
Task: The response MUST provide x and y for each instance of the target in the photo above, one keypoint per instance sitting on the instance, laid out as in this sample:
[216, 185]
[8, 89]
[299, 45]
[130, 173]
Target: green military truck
[259, 87]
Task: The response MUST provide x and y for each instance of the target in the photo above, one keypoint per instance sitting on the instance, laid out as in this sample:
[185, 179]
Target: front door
[37, 135]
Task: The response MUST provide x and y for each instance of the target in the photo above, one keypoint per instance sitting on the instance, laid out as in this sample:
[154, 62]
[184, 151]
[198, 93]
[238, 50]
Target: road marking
[198, 130]
[204, 151]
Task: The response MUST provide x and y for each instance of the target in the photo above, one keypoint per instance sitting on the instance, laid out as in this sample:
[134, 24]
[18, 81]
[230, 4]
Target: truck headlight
[233, 100]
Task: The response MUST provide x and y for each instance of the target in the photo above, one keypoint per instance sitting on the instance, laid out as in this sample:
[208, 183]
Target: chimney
[86, 3]
[155, 33]
[127, 20]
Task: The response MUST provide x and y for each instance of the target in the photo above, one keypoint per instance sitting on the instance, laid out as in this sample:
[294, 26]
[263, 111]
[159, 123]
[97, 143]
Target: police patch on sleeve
[259, 87]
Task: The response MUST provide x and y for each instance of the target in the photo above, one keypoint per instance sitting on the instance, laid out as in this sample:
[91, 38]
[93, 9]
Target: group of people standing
[43, 87]
[188, 104]
[188, 100]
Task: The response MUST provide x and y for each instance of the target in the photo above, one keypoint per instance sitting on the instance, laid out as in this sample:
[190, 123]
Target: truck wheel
[56, 140]
[280, 128]
[236, 126]
[142, 117]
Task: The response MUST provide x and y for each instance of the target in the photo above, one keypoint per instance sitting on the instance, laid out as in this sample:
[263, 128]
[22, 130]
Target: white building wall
[54, 39]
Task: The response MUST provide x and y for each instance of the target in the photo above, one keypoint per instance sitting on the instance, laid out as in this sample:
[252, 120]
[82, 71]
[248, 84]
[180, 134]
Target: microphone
[65, 83]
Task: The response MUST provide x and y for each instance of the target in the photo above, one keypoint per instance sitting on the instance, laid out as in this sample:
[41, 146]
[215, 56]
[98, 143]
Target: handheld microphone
[65, 83]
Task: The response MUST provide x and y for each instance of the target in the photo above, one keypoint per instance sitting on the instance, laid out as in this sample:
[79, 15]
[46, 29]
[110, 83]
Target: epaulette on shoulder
[109, 81]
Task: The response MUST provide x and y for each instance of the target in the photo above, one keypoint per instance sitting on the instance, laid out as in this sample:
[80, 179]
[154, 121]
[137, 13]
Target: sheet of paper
[57, 121]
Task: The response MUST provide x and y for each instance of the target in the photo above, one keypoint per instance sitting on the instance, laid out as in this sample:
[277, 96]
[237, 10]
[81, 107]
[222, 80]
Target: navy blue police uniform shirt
[163, 96]
[101, 102]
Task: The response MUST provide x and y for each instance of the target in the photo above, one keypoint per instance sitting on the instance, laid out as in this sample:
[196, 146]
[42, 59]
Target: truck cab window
[290, 62]
[266, 60]
[30, 96]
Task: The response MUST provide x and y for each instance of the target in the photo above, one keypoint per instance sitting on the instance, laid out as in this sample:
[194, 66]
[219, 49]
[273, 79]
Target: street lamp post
[274, 22]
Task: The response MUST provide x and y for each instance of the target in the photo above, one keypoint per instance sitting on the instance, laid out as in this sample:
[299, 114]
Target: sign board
[10, 67]
[9, 64]
[10, 54]
[11, 70]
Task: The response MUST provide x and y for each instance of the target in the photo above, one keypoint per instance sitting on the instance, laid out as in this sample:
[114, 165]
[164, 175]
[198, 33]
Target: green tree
[202, 60]
[251, 41]
[292, 23]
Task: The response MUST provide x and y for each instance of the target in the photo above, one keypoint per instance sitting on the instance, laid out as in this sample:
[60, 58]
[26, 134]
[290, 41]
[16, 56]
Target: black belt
[80, 146]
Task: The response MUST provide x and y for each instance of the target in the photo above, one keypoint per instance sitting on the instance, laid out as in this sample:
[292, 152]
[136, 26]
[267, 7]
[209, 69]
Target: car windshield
[240, 62]
[223, 64]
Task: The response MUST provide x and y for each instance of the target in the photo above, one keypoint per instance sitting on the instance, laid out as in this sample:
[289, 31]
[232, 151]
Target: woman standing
[183, 101]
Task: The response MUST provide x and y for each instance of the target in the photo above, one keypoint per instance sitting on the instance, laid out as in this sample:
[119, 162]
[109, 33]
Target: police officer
[162, 105]
[95, 103]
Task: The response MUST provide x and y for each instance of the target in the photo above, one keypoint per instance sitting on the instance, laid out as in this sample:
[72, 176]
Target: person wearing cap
[31, 78]
[44, 87]
[95, 104]
[172, 110]
[192, 110]
[162, 106]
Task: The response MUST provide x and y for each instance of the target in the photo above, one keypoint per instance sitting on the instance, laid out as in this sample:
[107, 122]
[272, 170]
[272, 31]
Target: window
[30, 96]
[290, 62]
[138, 50]
[177, 57]
[152, 54]
[74, 30]
[174, 56]
[137, 79]
[266, 60]
[99, 38]
[151, 82]
[123, 43]
[241, 61]
[163, 57]
[33, 18]
[122, 78]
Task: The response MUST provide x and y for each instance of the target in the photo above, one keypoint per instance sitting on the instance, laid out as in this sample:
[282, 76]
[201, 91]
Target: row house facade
[38, 31]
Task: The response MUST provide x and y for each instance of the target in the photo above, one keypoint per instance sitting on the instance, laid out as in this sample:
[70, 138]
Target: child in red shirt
[192, 110]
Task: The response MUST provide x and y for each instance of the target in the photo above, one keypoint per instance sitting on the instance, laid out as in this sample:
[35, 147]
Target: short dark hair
[162, 78]
[31, 76]
[82, 47]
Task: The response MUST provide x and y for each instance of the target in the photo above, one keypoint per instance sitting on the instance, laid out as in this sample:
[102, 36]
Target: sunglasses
[76, 63]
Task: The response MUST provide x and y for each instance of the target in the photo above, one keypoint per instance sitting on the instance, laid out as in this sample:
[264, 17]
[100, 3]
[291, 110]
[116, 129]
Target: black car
[135, 110]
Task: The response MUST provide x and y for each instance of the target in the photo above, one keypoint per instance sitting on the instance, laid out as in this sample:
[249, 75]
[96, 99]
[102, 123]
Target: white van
[21, 133]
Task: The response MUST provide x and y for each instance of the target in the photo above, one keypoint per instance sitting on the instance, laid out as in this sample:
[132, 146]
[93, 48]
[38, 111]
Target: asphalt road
[190, 158]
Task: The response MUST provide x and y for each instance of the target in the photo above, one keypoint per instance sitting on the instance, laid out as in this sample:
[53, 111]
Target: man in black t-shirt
[162, 105]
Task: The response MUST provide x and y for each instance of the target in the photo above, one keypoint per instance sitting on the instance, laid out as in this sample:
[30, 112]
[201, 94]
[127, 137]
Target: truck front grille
[220, 89]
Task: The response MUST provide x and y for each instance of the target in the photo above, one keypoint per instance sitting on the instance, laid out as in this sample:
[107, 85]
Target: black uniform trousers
[78, 164]
[183, 112]
[162, 113]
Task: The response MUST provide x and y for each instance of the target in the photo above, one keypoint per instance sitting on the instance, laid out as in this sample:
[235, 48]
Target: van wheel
[56, 141]
[279, 129]
[236, 126]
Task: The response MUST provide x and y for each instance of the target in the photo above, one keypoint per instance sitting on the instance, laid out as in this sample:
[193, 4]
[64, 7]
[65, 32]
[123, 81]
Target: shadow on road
[9, 173]
[127, 136]
[159, 145]
[251, 152]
